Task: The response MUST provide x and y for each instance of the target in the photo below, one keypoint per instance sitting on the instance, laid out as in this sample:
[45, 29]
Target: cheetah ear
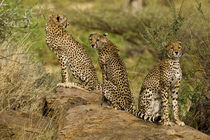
[179, 42]
[164, 44]
[90, 34]
[105, 34]
[58, 18]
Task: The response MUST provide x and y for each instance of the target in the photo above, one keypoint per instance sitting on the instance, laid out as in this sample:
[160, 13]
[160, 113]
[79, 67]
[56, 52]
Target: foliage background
[30, 70]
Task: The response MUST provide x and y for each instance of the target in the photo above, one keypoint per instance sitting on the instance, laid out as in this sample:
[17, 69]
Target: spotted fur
[70, 55]
[115, 87]
[165, 76]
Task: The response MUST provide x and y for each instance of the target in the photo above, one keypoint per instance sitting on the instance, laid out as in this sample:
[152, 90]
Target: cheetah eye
[172, 47]
[97, 40]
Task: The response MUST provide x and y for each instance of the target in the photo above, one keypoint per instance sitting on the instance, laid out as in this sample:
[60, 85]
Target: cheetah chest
[176, 74]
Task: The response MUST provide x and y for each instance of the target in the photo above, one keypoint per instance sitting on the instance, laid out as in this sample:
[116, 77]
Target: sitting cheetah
[70, 54]
[115, 87]
[154, 92]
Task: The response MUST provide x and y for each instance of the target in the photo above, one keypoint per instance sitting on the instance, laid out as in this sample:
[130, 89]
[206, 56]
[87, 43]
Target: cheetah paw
[61, 85]
[66, 85]
[180, 123]
[167, 123]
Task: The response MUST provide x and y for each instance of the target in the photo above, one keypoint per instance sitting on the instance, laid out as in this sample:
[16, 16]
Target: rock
[80, 115]
[58, 103]
[96, 122]
[18, 125]
[83, 117]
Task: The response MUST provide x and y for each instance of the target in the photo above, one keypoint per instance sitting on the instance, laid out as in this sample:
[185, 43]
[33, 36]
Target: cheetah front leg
[175, 90]
[64, 73]
[164, 99]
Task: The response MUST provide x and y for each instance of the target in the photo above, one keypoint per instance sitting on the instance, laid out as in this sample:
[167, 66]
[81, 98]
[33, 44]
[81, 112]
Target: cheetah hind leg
[72, 85]
[150, 104]
[109, 91]
[105, 101]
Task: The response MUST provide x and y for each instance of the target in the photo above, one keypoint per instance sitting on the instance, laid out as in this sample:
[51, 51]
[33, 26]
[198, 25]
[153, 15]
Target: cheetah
[70, 54]
[115, 87]
[154, 91]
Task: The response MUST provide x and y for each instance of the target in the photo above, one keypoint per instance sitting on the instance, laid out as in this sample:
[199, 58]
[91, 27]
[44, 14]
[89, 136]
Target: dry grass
[23, 81]
[23, 84]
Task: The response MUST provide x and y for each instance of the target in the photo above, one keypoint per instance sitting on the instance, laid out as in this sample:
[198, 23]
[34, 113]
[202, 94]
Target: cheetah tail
[141, 115]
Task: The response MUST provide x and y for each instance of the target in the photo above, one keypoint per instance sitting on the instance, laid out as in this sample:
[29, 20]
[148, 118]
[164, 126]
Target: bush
[14, 18]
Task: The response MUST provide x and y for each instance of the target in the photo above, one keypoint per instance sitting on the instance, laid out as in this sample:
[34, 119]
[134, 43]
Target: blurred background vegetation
[29, 70]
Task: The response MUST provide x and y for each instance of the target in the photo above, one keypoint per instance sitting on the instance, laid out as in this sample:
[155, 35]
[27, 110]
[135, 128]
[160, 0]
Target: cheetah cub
[70, 55]
[154, 92]
[115, 87]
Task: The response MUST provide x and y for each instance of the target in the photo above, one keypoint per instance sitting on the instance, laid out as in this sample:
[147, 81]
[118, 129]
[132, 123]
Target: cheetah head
[60, 20]
[98, 40]
[173, 50]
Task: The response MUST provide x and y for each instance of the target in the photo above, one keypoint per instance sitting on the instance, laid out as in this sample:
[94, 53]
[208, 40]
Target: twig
[2, 3]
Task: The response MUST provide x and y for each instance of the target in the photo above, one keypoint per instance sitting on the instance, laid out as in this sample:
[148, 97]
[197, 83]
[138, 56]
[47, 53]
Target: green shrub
[14, 18]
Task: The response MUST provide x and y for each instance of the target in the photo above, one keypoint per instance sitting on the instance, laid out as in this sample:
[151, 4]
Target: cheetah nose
[176, 53]
[92, 45]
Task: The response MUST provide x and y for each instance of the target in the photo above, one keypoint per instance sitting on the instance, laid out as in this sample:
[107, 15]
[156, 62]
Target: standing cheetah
[70, 54]
[115, 87]
[154, 92]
